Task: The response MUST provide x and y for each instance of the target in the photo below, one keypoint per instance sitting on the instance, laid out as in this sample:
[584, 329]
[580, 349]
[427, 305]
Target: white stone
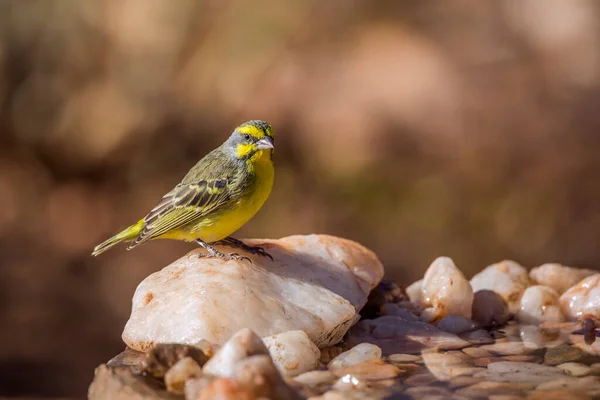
[414, 291]
[507, 278]
[558, 277]
[445, 291]
[315, 378]
[359, 353]
[575, 369]
[292, 352]
[316, 284]
[519, 372]
[539, 304]
[456, 324]
[240, 346]
[507, 348]
[184, 370]
[583, 299]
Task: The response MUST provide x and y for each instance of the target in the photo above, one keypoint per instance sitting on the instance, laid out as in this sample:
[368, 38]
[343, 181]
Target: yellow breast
[223, 223]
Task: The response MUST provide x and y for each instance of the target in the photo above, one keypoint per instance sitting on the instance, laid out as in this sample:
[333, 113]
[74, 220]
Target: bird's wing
[184, 204]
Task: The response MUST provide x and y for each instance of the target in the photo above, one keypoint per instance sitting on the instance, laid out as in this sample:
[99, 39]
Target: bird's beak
[265, 144]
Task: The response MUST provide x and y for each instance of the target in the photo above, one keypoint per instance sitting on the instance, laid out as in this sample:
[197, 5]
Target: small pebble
[356, 355]
[489, 308]
[507, 348]
[484, 389]
[420, 379]
[403, 358]
[315, 378]
[507, 278]
[178, 374]
[575, 369]
[476, 352]
[477, 337]
[428, 392]
[558, 277]
[369, 370]
[539, 304]
[456, 324]
[349, 382]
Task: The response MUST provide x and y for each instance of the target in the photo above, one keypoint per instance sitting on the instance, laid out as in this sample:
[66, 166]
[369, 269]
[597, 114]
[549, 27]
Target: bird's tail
[126, 235]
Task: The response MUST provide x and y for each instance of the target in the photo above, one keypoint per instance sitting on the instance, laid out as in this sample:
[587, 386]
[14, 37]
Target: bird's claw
[222, 256]
[261, 252]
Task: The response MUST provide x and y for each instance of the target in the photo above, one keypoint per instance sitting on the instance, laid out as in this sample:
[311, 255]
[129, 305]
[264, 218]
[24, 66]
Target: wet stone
[403, 358]
[370, 370]
[557, 395]
[563, 354]
[420, 379]
[482, 389]
[507, 348]
[575, 369]
[477, 337]
[428, 392]
[356, 355]
[519, 372]
[462, 381]
[586, 384]
[316, 378]
[163, 356]
[445, 366]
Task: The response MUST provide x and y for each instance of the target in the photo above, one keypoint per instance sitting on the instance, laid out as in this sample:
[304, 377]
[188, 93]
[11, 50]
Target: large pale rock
[558, 277]
[583, 299]
[539, 304]
[445, 291]
[507, 278]
[316, 284]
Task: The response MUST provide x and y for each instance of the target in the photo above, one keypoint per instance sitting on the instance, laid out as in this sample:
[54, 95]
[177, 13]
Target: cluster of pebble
[506, 334]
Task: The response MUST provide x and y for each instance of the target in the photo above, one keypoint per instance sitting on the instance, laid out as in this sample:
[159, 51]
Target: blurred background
[463, 128]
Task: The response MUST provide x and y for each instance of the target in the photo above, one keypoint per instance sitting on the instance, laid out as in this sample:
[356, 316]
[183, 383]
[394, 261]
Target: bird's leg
[233, 242]
[212, 252]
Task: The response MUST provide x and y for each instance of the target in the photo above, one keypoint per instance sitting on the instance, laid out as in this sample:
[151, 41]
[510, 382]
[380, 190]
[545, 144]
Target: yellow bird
[216, 197]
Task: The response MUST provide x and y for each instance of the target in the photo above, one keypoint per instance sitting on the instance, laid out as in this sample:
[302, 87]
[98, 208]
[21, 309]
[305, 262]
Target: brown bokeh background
[418, 128]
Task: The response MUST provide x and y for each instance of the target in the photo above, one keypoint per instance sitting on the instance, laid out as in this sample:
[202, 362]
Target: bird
[222, 192]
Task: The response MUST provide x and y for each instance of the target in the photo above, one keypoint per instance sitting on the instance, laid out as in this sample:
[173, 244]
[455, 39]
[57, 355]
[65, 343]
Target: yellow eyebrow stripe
[252, 131]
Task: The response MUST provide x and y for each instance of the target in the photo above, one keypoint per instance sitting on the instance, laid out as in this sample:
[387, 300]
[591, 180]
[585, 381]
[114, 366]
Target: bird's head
[252, 140]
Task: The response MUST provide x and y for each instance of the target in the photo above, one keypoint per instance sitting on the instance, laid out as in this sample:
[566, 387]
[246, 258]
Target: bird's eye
[247, 137]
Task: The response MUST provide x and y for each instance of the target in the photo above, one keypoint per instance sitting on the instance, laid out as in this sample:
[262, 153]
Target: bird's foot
[214, 253]
[229, 241]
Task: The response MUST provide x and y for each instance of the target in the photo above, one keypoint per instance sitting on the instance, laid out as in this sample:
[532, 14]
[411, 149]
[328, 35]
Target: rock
[583, 299]
[445, 366]
[476, 352]
[558, 277]
[575, 369]
[292, 352]
[445, 291]
[414, 291]
[163, 356]
[539, 304]
[462, 381]
[255, 377]
[317, 284]
[519, 372]
[456, 324]
[349, 382]
[359, 353]
[421, 379]
[316, 378]
[489, 309]
[585, 385]
[554, 395]
[403, 358]
[477, 337]
[507, 278]
[395, 335]
[331, 352]
[428, 392]
[535, 338]
[563, 354]
[485, 389]
[122, 384]
[369, 370]
[242, 345]
[184, 370]
[507, 348]
[135, 360]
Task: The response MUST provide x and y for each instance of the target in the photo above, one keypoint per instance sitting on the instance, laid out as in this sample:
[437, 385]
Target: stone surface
[369, 370]
[316, 378]
[489, 308]
[292, 352]
[477, 337]
[184, 370]
[507, 278]
[484, 389]
[519, 372]
[507, 348]
[255, 377]
[395, 335]
[122, 384]
[242, 345]
[539, 304]
[414, 291]
[575, 369]
[583, 299]
[359, 353]
[585, 385]
[445, 291]
[558, 277]
[316, 284]
[445, 366]
[456, 324]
